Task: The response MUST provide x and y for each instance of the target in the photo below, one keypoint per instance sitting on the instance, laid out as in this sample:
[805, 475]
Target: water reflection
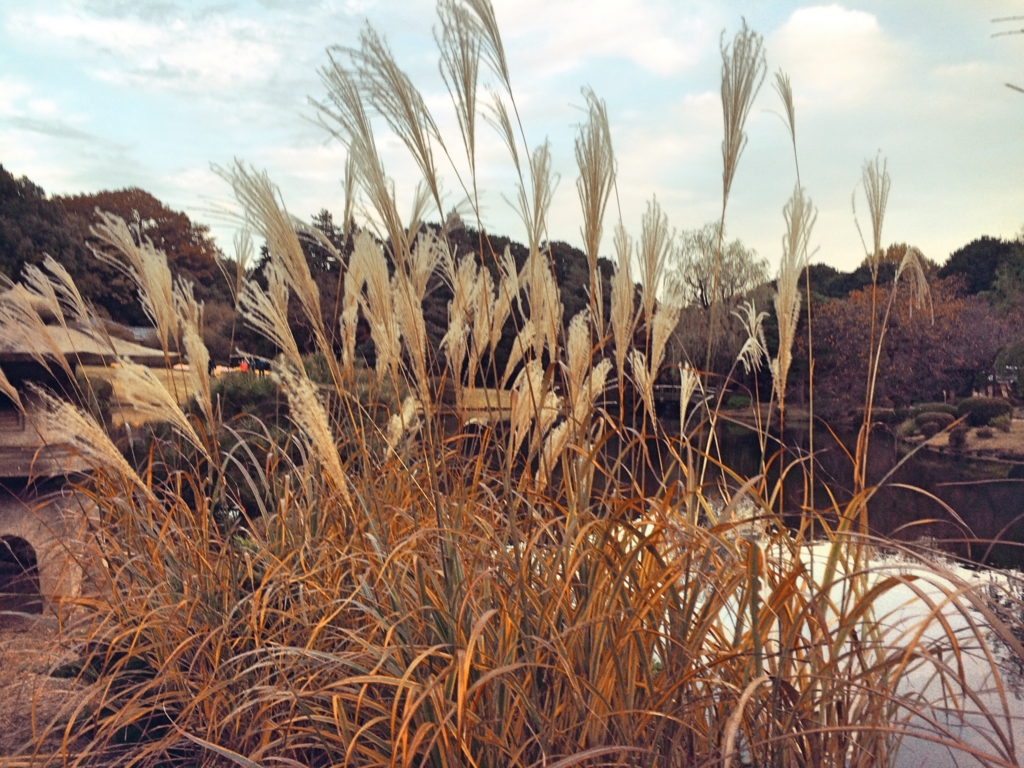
[986, 496]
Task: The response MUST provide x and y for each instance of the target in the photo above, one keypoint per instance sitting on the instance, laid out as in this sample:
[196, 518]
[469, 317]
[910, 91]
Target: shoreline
[1001, 447]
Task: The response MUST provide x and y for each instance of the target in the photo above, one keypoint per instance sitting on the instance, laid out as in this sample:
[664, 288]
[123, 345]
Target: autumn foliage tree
[923, 355]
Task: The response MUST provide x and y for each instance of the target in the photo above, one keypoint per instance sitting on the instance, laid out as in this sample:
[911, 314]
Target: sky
[108, 94]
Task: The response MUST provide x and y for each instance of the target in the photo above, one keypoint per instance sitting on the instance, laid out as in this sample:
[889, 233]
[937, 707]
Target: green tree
[980, 260]
[31, 225]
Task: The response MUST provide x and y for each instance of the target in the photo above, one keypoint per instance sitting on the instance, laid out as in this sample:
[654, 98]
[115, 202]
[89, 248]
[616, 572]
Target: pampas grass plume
[135, 256]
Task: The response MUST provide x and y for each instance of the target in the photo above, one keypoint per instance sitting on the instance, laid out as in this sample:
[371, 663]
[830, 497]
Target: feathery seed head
[267, 312]
[61, 423]
[190, 318]
[460, 44]
[876, 181]
[800, 216]
[593, 386]
[754, 350]
[666, 318]
[135, 256]
[596, 162]
[785, 90]
[265, 213]
[551, 453]
[522, 343]
[623, 301]
[689, 381]
[67, 292]
[309, 415]
[642, 377]
[655, 244]
[912, 265]
[508, 291]
[391, 93]
[743, 71]
[8, 389]
[578, 350]
[147, 396]
[406, 422]
[20, 320]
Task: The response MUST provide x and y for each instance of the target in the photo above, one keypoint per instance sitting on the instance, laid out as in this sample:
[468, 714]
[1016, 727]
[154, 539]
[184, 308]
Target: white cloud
[208, 55]
[835, 56]
[653, 35]
[43, 107]
[11, 92]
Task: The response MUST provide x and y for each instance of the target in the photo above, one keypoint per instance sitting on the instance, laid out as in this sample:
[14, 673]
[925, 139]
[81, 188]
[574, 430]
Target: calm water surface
[972, 509]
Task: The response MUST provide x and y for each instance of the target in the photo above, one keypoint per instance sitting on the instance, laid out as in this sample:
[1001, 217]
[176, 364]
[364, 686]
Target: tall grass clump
[548, 578]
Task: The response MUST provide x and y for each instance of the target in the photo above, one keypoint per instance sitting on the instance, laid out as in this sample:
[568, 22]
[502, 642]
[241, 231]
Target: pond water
[972, 509]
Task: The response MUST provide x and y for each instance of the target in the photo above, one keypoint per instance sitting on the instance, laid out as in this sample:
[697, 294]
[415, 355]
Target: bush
[921, 408]
[985, 433]
[941, 420]
[907, 428]
[1002, 423]
[958, 437]
[930, 428]
[981, 410]
[249, 394]
[737, 401]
